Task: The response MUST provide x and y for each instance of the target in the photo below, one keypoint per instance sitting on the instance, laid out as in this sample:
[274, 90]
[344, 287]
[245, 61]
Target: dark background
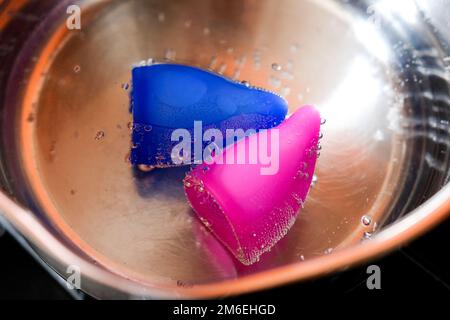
[422, 267]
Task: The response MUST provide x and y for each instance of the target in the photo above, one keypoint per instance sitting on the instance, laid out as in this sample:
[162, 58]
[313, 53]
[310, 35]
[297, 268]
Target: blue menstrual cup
[171, 103]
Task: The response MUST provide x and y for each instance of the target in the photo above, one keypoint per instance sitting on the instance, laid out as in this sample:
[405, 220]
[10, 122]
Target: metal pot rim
[128, 283]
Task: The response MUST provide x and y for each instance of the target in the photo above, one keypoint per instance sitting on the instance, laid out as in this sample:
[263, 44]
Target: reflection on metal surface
[383, 90]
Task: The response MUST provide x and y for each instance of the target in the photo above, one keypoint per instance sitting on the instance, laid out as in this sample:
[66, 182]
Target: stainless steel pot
[377, 70]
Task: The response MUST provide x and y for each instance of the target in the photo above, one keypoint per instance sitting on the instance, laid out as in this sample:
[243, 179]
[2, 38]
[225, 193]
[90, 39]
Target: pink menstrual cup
[249, 195]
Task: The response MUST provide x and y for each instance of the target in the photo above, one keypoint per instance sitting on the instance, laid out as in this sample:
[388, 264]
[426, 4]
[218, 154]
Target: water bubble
[213, 62]
[245, 83]
[222, 68]
[236, 74]
[161, 17]
[200, 189]
[187, 184]
[276, 66]
[314, 180]
[205, 222]
[125, 86]
[328, 251]
[187, 23]
[170, 54]
[285, 92]
[367, 235]
[378, 135]
[148, 128]
[76, 68]
[145, 167]
[323, 121]
[366, 220]
[302, 257]
[274, 82]
[294, 47]
[150, 61]
[99, 135]
[254, 234]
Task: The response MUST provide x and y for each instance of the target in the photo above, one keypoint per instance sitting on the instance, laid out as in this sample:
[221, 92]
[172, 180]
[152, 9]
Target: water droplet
[200, 189]
[205, 222]
[366, 220]
[206, 31]
[148, 128]
[323, 121]
[161, 17]
[246, 83]
[285, 92]
[170, 54]
[222, 68]
[367, 235]
[276, 66]
[302, 257]
[328, 251]
[145, 167]
[254, 234]
[99, 135]
[378, 135]
[314, 180]
[274, 82]
[294, 48]
[213, 62]
[187, 184]
[187, 23]
[76, 68]
[125, 86]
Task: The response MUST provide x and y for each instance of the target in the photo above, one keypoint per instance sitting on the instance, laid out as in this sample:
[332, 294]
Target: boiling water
[75, 125]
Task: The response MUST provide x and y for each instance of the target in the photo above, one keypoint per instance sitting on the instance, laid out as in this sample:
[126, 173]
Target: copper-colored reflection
[138, 225]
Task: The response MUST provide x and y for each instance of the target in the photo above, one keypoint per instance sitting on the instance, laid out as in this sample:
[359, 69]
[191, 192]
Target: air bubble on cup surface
[145, 168]
[314, 180]
[125, 86]
[76, 68]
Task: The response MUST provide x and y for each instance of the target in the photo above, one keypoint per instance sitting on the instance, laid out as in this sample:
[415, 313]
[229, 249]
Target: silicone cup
[166, 97]
[249, 212]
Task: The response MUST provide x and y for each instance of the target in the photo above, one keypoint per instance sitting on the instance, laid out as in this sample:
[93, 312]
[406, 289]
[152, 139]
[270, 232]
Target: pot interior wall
[379, 76]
